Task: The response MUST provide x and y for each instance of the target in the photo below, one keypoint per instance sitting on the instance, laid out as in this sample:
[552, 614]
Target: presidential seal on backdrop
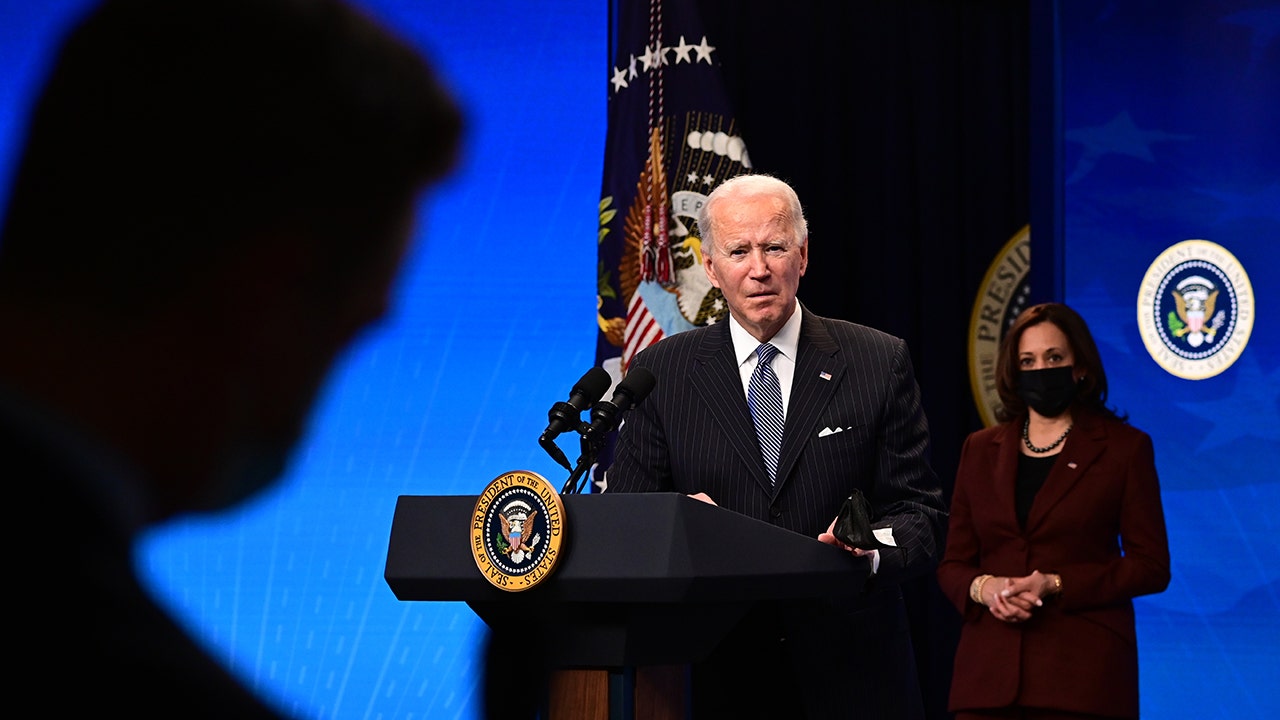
[517, 529]
[1195, 309]
[1002, 296]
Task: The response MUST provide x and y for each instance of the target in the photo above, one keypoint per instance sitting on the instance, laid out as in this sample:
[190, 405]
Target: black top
[1032, 471]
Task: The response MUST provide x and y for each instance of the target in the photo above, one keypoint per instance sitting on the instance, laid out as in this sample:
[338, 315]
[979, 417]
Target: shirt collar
[787, 340]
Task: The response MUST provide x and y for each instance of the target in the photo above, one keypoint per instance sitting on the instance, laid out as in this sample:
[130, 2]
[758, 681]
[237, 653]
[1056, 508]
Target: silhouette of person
[212, 202]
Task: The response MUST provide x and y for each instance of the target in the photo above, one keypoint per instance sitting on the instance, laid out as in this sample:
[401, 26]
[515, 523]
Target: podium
[651, 580]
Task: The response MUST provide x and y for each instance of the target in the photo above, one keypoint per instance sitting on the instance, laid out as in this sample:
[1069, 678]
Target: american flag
[671, 139]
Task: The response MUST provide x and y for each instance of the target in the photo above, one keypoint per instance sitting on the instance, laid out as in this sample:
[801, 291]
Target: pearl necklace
[1026, 437]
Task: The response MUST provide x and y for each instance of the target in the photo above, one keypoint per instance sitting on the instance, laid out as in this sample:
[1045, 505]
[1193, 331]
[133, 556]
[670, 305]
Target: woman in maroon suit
[1056, 525]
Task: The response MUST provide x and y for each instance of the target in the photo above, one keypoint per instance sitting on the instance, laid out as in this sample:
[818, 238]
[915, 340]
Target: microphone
[566, 416]
[634, 388]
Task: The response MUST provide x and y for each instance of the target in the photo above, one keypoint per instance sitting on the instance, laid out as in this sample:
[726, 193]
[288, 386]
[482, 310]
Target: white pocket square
[830, 431]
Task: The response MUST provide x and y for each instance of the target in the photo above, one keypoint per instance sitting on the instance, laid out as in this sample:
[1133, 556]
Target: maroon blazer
[1098, 522]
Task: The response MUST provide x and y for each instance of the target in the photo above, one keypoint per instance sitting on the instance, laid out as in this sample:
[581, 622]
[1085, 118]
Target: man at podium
[780, 415]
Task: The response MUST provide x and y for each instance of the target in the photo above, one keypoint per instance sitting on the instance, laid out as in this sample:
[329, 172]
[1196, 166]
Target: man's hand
[830, 539]
[703, 497]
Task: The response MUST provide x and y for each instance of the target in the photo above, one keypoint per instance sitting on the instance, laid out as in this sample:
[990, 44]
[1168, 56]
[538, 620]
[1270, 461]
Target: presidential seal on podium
[517, 529]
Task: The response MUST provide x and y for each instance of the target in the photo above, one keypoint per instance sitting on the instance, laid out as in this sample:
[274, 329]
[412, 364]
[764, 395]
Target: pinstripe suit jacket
[854, 420]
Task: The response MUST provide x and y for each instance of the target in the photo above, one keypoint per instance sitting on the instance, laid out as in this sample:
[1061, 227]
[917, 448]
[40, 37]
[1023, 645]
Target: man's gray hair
[752, 185]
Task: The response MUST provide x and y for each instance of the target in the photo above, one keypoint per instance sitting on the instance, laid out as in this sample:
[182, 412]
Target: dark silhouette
[212, 202]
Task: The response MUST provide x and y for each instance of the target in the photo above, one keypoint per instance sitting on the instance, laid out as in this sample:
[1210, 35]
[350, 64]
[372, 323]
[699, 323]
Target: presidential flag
[672, 138]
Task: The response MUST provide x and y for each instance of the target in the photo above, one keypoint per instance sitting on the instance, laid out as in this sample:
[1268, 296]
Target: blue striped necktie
[764, 396]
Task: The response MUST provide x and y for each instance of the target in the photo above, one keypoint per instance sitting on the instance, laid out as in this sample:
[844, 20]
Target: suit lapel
[1082, 449]
[717, 381]
[817, 355]
[1005, 474]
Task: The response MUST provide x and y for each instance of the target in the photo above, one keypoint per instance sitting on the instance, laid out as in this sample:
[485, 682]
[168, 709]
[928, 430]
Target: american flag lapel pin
[824, 375]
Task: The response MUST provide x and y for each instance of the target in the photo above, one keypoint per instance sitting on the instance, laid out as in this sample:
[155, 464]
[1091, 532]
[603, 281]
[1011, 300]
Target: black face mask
[1048, 391]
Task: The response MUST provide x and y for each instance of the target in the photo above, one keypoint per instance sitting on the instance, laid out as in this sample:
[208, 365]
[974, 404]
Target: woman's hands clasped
[1015, 599]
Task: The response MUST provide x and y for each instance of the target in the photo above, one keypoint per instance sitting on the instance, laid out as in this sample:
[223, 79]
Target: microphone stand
[564, 414]
[550, 446]
[592, 444]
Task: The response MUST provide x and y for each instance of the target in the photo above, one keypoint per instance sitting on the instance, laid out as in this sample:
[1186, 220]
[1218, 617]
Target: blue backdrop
[1170, 113]
[1171, 132]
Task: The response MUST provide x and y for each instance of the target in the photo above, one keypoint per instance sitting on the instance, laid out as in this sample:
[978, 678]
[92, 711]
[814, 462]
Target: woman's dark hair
[1091, 392]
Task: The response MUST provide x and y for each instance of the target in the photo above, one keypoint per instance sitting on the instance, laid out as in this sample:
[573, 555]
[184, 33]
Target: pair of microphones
[605, 414]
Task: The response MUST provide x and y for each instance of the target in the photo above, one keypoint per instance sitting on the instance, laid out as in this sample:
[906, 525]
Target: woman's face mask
[1048, 391]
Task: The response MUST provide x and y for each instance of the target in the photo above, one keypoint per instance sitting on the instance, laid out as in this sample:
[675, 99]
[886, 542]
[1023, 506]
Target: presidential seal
[1195, 309]
[1002, 296]
[516, 530]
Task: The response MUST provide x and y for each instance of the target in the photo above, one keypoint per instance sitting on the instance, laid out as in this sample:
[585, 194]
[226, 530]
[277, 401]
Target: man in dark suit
[212, 203]
[833, 407]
